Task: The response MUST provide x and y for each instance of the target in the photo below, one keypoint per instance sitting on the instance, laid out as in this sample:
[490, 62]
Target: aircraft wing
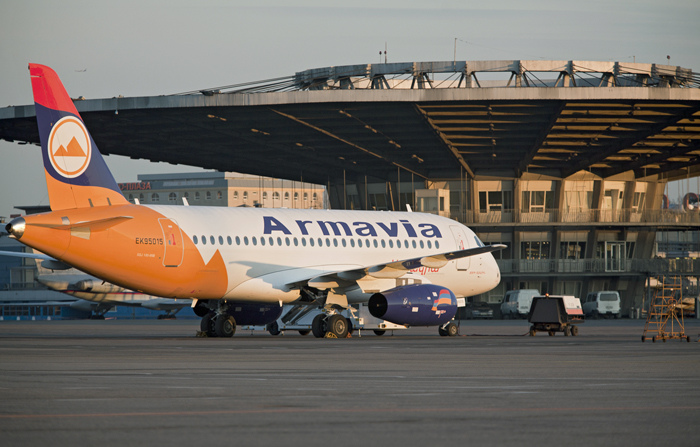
[47, 261]
[392, 269]
[17, 254]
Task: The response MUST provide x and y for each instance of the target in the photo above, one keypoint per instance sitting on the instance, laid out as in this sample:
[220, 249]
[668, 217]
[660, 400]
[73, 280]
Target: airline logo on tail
[69, 147]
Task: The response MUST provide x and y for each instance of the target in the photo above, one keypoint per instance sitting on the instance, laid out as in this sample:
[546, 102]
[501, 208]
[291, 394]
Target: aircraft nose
[16, 228]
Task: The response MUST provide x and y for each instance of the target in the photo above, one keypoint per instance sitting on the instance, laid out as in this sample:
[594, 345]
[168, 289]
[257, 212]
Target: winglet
[76, 174]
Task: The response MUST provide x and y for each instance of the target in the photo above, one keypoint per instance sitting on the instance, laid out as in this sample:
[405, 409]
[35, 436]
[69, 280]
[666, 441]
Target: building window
[534, 250]
[155, 197]
[537, 201]
[196, 195]
[219, 195]
[264, 196]
[573, 250]
[172, 197]
[495, 201]
[208, 195]
[245, 196]
[235, 195]
[638, 201]
[286, 196]
[306, 197]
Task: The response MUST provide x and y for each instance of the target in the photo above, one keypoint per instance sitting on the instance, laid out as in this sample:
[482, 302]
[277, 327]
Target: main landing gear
[331, 326]
[216, 323]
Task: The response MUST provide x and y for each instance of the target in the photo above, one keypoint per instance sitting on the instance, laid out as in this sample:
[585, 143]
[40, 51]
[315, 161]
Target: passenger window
[279, 241]
[391, 243]
[375, 244]
[272, 242]
[194, 239]
[414, 244]
[228, 240]
[286, 241]
[335, 242]
[262, 241]
[204, 240]
[359, 242]
[352, 242]
[303, 242]
[238, 240]
[245, 240]
[421, 244]
[437, 244]
[430, 245]
[211, 239]
[221, 240]
[320, 242]
[328, 242]
[311, 241]
[255, 240]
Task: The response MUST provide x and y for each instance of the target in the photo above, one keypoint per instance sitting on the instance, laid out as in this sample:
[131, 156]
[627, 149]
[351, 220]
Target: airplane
[240, 265]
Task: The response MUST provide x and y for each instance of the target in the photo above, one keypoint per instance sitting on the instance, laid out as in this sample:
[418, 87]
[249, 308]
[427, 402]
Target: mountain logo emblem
[69, 147]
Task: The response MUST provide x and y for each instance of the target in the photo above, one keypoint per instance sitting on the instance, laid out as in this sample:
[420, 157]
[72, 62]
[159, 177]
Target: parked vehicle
[605, 304]
[478, 309]
[516, 303]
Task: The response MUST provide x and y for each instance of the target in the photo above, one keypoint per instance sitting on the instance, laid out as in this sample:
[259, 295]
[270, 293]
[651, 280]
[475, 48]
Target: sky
[102, 49]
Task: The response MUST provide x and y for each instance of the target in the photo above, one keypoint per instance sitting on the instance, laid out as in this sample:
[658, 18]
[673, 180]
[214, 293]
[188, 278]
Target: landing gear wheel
[379, 333]
[574, 330]
[304, 332]
[225, 326]
[442, 332]
[551, 333]
[274, 328]
[451, 329]
[567, 331]
[207, 324]
[318, 326]
[338, 326]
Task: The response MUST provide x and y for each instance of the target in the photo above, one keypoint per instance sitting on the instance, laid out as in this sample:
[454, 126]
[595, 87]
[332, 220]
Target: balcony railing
[651, 217]
[687, 266]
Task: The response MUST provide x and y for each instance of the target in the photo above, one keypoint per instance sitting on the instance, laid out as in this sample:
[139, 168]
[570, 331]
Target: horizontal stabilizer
[92, 225]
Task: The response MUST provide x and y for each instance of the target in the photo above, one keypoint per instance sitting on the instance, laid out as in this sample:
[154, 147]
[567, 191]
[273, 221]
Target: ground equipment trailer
[555, 314]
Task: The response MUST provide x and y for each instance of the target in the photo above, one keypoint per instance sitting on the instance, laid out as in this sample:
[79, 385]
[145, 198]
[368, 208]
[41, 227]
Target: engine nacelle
[254, 314]
[414, 305]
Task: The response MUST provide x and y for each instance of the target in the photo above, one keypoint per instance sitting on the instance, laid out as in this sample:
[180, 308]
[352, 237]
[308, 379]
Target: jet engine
[414, 305]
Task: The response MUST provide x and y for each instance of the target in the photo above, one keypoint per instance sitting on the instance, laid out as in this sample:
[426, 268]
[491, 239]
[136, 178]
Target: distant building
[224, 189]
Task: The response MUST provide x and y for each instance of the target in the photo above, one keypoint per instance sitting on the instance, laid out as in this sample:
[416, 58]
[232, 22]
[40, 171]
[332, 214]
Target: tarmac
[115, 383]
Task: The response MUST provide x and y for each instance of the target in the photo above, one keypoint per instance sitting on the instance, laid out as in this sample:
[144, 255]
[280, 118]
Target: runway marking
[349, 411]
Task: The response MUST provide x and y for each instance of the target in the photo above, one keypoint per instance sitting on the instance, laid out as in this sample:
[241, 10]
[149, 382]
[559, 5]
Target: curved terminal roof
[435, 120]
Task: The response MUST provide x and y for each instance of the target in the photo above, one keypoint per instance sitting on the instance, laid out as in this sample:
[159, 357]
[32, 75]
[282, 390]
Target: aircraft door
[172, 241]
[461, 240]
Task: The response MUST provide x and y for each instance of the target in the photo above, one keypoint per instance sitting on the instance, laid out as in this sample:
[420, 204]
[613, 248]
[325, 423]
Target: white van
[516, 303]
[605, 303]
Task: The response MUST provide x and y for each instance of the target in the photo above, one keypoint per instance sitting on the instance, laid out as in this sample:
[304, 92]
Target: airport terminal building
[565, 162]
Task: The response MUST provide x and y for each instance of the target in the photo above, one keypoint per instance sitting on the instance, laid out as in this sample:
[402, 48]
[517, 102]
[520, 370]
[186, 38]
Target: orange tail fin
[76, 174]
